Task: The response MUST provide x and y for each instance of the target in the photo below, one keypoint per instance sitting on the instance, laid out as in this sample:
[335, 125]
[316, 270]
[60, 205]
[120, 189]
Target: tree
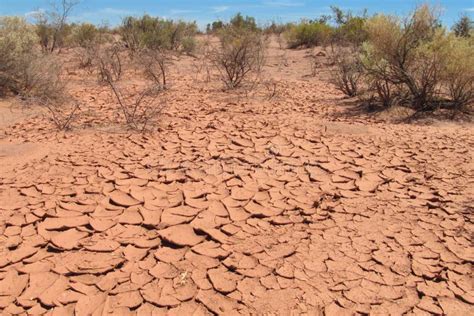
[463, 27]
[51, 25]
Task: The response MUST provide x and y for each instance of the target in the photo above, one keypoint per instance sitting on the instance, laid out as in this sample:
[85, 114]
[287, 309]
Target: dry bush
[109, 64]
[52, 27]
[241, 54]
[348, 71]
[406, 53]
[42, 78]
[62, 112]
[139, 109]
[155, 65]
[202, 64]
[86, 57]
[419, 60]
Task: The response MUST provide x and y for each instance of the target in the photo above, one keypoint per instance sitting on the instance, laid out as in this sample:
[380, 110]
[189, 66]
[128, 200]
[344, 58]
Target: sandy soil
[235, 205]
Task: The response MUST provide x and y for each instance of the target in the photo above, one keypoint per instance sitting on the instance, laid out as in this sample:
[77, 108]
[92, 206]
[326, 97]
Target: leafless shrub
[86, 57]
[41, 78]
[348, 72]
[62, 114]
[109, 65]
[155, 65]
[241, 54]
[202, 64]
[139, 109]
[271, 87]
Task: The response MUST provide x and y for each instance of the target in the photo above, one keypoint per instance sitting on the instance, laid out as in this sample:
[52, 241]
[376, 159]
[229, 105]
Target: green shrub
[248, 23]
[84, 35]
[406, 53]
[17, 40]
[156, 33]
[458, 74]
[308, 34]
[23, 70]
[418, 60]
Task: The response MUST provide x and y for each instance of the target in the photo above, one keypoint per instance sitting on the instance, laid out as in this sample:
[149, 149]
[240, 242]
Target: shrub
[156, 33]
[17, 40]
[109, 64]
[52, 27]
[155, 64]
[350, 28]
[458, 74]
[308, 34]
[416, 61]
[241, 53]
[408, 54]
[85, 35]
[348, 71]
[248, 23]
[464, 27]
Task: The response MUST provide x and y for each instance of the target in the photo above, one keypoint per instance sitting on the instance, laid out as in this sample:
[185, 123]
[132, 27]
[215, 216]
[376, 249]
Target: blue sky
[205, 11]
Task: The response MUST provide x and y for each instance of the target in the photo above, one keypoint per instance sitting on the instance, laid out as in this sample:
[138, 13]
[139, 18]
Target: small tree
[241, 53]
[463, 27]
[52, 27]
[408, 53]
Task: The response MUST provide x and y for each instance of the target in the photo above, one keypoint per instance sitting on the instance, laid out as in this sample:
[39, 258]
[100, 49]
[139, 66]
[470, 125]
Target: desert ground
[290, 200]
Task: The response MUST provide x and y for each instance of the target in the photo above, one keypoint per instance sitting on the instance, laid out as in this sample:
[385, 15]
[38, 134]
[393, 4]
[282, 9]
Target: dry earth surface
[236, 205]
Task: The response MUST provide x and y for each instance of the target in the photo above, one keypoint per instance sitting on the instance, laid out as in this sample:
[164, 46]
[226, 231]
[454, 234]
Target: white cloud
[219, 9]
[179, 11]
[112, 11]
[34, 13]
[469, 9]
[282, 3]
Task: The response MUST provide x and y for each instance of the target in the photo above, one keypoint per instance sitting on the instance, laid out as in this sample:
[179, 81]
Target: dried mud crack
[235, 213]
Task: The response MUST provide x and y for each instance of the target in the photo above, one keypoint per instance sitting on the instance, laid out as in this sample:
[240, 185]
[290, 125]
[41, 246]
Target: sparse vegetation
[417, 56]
[241, 53]
[308, 34]
[155, 64]
[155, 33]
[52, 27]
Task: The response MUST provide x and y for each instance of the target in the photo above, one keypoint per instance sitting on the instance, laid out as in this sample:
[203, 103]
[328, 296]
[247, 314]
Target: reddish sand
[236, 205]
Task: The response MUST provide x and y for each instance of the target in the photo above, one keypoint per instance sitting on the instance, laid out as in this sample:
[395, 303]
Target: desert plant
[349, 29]
[307, 34]
[61, 112]
[241, 53]
[139, 109]
[85, 35]
[248, 23]
[109, 64]
[52, 27]
[23, 71]
[348, 71]
[41, 78]
[155, 65]
[458, 72]
[156, 33]
[17, 40]
[409, 53]
[464, 26]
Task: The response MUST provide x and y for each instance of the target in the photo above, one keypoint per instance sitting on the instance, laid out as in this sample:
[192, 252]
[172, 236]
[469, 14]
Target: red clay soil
[236, 206]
